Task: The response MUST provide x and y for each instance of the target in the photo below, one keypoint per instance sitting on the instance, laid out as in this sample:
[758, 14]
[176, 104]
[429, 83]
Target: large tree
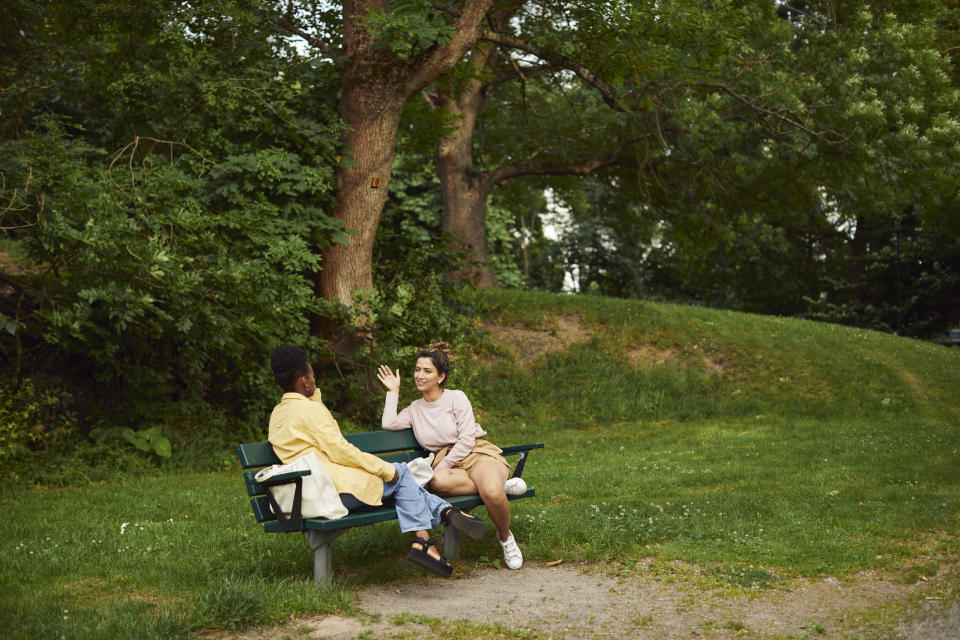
[567, 87]
[763, 137]
[391, 51]
[468, 172]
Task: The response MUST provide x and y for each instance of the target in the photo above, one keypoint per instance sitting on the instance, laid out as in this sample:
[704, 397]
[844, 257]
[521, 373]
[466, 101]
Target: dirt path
[582, 602]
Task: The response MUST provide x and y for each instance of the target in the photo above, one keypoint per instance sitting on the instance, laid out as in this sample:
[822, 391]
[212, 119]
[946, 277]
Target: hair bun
[441, 347]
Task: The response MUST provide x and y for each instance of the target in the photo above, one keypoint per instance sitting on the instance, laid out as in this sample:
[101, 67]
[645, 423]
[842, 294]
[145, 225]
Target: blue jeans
[416, 507]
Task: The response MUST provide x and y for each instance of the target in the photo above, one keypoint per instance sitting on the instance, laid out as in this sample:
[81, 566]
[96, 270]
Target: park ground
[648, 600]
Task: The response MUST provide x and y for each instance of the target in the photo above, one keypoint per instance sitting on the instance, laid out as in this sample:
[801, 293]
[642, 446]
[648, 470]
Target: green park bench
[392, 446]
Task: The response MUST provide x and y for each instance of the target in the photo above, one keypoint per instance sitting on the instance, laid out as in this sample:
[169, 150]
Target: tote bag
[421, 469]
[320, 498]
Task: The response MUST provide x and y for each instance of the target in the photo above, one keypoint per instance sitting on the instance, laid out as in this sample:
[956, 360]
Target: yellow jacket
[299, 425]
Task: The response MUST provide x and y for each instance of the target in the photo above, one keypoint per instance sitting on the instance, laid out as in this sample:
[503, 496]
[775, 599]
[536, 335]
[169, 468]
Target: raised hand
[388, 378]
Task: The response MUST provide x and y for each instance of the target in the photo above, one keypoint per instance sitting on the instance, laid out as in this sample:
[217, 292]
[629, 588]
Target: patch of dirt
[325, 627]
[917, 388]
[936, 621]
[566, 601]
[10, 265]
[647, 357]
[529, 344]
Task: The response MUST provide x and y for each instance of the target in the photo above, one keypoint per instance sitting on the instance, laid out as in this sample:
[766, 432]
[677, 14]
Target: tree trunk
[465, 218]
[465, 189]
[465, 193]
[362, 186]
[376, 85]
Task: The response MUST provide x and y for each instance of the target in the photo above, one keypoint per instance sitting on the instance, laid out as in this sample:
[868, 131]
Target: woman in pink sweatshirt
[443, 422]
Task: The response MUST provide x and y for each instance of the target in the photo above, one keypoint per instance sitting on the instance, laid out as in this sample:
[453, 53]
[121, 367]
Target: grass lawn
[755, 448]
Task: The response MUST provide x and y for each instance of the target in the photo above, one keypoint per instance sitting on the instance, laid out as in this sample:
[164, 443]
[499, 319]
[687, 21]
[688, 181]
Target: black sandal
[470, 525]
[420, 557]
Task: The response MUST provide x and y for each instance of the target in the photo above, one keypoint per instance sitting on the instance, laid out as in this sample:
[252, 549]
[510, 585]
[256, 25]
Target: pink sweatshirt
[448, 421]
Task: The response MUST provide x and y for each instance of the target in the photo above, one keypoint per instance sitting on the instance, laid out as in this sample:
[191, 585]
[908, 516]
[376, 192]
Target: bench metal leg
[320, 542]
[451, 543]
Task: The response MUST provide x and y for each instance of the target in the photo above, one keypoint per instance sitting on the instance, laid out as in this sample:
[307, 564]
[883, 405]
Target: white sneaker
[515, 487]
[511, 553]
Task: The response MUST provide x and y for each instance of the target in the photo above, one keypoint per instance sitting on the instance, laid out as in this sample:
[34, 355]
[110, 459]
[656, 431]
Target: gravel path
[566, 601]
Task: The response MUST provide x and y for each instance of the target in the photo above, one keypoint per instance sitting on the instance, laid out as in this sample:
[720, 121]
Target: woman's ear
[300, 385]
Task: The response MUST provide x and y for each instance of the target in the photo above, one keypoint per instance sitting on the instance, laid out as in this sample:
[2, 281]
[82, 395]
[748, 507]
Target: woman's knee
[492, 493]
[489, 477]
[443, 480]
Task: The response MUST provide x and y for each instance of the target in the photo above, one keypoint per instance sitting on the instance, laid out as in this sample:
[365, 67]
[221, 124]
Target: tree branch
[466, 32]
[14, 204]
[785, 117]
[288, 23]
[558, 59]
[582, 168]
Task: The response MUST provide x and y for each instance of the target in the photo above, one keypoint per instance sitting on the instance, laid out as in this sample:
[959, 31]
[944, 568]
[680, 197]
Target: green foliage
[146, 440]
[168, 169]
[742, 179]
[165, 213]
[906, 283]
[31, 417]
[409, 28]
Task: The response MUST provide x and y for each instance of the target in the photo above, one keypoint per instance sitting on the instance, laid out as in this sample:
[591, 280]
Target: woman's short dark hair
[439, 354]
[288, 362]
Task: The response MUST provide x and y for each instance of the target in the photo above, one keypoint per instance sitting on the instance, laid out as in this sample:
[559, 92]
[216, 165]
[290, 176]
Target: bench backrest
[392, 446]
[261, 454]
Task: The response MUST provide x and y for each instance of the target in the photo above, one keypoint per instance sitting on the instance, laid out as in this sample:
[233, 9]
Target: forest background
[187, 185]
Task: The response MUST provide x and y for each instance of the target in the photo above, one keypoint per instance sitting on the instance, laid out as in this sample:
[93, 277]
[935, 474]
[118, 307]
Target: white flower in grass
[123, 527]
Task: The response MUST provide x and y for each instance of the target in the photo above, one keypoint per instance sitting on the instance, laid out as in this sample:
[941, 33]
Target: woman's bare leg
[451, 482]
[489, 477]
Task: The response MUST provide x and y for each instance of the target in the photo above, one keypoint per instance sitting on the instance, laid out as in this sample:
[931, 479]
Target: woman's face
[425, 375]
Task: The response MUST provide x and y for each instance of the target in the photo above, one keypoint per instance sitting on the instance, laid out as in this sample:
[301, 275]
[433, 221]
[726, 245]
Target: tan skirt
[482, 450]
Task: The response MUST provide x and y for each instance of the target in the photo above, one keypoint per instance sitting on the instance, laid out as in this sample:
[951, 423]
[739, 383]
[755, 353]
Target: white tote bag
[421, 470]
[320, 498]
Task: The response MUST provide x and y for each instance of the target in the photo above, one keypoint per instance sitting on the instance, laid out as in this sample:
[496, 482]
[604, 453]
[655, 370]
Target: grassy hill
[745, 450]
[661, 361]
[721, 437]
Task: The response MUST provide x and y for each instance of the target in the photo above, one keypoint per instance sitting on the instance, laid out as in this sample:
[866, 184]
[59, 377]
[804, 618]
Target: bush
[31, 417]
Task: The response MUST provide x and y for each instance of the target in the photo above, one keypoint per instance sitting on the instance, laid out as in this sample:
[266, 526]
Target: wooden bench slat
[261, 509]
[384, 441]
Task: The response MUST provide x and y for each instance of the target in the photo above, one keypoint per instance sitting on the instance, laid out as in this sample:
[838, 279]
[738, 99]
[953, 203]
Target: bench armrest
[523, 450]
[293, 522]
[519, 448]
[283, 478]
